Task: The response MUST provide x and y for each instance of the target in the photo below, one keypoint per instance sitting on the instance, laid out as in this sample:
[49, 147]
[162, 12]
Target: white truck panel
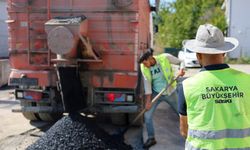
[4, 71]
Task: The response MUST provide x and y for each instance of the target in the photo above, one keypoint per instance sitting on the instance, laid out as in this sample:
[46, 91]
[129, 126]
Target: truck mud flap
[71, 89]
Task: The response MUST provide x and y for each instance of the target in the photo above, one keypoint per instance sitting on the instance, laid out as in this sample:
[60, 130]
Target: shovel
[120, 135]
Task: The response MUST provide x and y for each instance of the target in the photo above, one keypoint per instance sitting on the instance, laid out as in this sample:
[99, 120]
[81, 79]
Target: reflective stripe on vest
[218, 109]
[227, 133]
[189, 146]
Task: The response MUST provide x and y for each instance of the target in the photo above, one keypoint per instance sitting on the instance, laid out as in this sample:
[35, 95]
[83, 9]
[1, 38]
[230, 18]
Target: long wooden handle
[154, 99]
[163, 90]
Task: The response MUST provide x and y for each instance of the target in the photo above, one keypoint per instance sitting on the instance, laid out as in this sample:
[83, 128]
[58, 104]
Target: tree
[181, 19]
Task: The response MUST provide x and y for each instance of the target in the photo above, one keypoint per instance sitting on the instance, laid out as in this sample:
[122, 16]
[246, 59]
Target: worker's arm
[148, 92]
[176, 61]
[148, 101]
[183, 126]
[182, 109]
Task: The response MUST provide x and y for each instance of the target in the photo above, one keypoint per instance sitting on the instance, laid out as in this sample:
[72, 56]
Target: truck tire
[138, 123]
[29, 115]
[119, 119]
[50, 117]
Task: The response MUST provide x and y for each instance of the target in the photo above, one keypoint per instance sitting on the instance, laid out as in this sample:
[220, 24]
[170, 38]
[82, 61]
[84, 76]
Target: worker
[157, 74]
[214, 104]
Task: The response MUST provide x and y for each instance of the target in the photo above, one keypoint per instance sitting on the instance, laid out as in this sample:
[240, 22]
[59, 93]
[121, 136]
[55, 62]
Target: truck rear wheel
[138, 122]
[49, 116]
[119, 119]
[29, 115]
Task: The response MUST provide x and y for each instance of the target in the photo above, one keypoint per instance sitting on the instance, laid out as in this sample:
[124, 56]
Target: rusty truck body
[71, 55]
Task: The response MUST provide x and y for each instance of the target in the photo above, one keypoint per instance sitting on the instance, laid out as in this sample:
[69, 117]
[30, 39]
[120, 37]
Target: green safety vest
[166, 68]
[218, 110]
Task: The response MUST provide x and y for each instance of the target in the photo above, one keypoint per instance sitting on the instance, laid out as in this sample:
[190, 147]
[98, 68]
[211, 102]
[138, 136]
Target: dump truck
[78, 55]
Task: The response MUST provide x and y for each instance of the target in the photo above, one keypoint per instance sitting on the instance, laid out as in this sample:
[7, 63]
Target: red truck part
[100, 39]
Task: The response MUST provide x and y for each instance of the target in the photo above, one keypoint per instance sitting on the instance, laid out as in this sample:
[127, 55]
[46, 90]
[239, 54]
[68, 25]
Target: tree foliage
[180, 20]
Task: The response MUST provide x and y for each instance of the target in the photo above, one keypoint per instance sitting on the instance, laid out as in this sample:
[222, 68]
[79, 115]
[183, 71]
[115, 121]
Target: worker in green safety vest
[157, 74]
[214, 105]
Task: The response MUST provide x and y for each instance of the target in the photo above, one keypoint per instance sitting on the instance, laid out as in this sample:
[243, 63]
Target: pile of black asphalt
[75, 132]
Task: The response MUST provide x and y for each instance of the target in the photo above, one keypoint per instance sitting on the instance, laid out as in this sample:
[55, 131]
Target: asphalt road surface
[17, 133]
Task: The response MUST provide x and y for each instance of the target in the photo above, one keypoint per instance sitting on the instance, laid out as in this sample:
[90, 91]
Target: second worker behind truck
[158, 73]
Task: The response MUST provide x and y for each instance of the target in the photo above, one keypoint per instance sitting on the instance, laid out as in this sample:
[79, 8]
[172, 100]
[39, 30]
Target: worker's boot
[150, 142]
